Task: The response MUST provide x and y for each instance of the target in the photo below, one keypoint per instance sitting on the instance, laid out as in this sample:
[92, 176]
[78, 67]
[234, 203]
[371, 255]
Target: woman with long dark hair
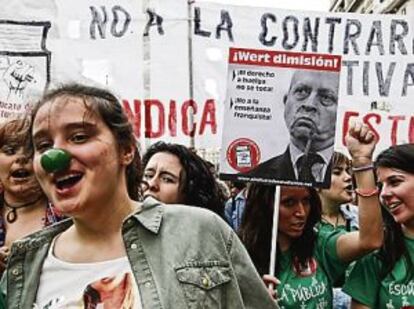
[174, 174]
[338, 212]
[385, 279]
[310, 262]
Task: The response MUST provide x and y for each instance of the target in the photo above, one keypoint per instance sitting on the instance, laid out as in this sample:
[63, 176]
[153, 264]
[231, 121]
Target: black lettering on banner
[365, 78]
[98, 22]
[409, 73]
[349, 74]
[398, 37]
[375, 38]
[154, 20]
[384, 85]
[311, 34]
[332, 22]
[226, 24]
[350, 37]
[115, 11]
[197, 24]
[100, 19]
[294, 21]
[263, 34]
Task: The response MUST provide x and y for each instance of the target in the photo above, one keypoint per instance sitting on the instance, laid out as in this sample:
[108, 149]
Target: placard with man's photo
[280, 116]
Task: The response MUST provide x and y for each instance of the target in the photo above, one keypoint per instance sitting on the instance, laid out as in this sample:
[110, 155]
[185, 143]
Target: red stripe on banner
[260, 57]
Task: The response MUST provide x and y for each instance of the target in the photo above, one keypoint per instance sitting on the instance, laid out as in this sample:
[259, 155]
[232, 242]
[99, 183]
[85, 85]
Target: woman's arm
[361, 143]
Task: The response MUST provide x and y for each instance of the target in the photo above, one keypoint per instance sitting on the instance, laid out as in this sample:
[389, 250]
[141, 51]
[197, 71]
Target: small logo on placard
[243, 154]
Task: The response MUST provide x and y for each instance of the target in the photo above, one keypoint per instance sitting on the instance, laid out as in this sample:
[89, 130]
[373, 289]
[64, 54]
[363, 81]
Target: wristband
[363, 168]
[366, 192]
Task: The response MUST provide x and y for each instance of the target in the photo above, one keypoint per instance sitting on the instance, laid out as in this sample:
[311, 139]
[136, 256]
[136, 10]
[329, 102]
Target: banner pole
[274, 233]
[190, 67]
[146, 71]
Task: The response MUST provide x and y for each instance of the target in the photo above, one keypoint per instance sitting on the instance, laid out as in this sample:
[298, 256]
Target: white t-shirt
[102, 285]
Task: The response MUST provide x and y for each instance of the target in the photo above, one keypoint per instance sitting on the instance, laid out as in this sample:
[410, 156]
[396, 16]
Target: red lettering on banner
[172, 118]
[134, 117]
[374, 119]
[185, 117]
[209, 117]
[377, 119]
[345, 124]
[394, 128]
[148, 119]
[167, 117]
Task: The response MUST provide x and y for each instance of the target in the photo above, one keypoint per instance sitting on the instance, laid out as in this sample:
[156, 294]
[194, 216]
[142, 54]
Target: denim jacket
[234, 208]
[181, 257]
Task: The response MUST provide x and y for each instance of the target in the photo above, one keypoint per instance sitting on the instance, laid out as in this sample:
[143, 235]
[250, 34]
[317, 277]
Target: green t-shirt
[326, 227]
[311, 287]
[365, 285]
[2, 302]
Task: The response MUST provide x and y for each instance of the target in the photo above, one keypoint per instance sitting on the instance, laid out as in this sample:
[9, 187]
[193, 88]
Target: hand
[18, 75]
[271, 282]
[360, 141]
[4, 254]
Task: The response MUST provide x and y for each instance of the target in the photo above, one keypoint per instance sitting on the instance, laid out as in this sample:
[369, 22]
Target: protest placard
[279, 118]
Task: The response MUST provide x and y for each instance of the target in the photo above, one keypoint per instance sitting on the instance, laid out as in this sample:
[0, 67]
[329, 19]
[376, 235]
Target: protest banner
[167, 60]
[377, 74]
[139, 49]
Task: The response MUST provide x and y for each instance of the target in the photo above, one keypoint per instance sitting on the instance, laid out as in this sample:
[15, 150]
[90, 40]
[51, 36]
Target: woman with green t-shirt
[310, 262]
[338, 213]
[385, 279]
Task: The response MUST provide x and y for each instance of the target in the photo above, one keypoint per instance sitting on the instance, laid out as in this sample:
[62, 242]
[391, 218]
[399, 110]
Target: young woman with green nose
[114, 251]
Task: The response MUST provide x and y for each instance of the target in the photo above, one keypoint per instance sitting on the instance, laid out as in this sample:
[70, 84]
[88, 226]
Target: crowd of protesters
[161, 232]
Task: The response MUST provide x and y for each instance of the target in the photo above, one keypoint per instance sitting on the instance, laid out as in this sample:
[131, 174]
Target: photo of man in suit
[310, 107]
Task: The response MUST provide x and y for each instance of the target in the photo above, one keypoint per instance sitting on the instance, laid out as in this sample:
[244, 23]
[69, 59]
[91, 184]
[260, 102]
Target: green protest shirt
[365, 285]
[310, 287]
[350, 214]
[326, 227]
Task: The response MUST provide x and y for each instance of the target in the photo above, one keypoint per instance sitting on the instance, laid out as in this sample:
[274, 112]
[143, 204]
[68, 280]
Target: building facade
[404, 7]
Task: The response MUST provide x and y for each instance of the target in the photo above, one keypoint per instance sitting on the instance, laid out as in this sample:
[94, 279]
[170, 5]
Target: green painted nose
[55, 160]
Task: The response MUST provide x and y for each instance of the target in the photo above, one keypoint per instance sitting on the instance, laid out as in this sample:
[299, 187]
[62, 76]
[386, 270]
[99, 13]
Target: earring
[128, 157]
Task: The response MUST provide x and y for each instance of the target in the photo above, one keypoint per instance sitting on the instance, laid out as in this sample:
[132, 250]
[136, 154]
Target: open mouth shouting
[66, 182]
[298, 226]
[20, 175]
[349, 189]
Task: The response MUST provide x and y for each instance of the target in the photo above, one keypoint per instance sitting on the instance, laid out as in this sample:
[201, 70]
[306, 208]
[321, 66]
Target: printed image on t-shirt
[309, 269]
[118, 292]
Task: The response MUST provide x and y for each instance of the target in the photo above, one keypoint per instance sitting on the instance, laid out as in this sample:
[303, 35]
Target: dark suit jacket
[281, 168]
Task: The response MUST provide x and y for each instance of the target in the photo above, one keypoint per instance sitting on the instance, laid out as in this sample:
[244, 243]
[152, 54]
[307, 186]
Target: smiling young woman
[385, 279]
[114, 249]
